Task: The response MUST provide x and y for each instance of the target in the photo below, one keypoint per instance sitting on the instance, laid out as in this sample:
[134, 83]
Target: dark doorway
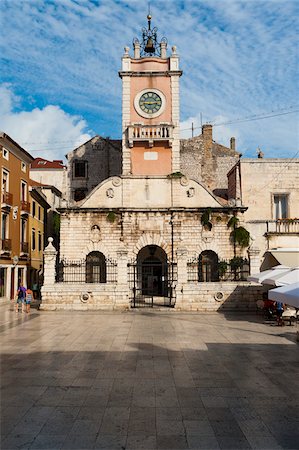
[151, 277]
[154, 277]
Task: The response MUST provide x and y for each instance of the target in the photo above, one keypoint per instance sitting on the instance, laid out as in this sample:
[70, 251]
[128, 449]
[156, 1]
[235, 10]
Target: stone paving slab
[147, 380]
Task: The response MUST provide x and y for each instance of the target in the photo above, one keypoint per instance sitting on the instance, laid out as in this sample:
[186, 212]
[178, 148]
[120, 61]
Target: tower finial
[150, 45]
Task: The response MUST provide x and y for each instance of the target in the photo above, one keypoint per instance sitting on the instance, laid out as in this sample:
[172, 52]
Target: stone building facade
[270, 190]
[201, 159]
[141, 224]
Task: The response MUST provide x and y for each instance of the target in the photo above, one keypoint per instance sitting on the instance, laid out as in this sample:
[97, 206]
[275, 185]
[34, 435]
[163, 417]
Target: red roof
[40, 163]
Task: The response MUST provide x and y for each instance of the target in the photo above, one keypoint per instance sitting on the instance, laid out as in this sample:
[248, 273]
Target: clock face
[150, 102]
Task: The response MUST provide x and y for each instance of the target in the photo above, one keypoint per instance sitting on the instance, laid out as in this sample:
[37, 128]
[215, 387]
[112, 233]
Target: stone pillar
[122, 291]
[49, 263]
[253, 254]
[136, 45]
[8, 283]
[182, 275]
[122, 269]
[163, 47]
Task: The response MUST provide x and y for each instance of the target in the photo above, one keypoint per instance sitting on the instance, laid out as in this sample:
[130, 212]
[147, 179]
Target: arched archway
[152, 271]
[96, 271]
[208, 266]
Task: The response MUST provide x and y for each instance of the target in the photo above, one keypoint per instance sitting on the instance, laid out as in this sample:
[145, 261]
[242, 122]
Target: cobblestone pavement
[147, 380]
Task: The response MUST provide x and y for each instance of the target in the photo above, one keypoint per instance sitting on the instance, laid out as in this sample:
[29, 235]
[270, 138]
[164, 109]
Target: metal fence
[237, 269]
[82, 271]
[152, 284]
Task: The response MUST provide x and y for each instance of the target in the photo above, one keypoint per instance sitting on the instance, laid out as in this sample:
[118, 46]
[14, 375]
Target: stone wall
[131, 231]
[201, 159]
[207, 167]
[122, 239]
[261, 179]
[103, 157]
[239, 296]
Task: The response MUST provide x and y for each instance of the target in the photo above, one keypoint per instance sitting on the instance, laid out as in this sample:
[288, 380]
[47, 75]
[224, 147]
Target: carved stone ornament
[116, 181]
[110, 193]
[191, 192]
[184, 181]
[95, 233]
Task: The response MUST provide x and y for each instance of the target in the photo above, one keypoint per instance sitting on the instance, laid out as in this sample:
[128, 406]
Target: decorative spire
[150, 45]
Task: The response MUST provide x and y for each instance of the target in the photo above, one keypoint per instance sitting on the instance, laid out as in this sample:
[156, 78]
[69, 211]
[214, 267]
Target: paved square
[147, 380]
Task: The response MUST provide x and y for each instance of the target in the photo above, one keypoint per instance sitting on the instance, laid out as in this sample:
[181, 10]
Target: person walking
[29, 296]
[35, 290]
[21, 295]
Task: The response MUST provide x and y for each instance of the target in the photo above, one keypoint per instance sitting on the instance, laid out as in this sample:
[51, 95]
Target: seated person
[279, 311]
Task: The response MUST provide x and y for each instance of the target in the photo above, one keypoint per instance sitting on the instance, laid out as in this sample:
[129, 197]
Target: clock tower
[150, 107]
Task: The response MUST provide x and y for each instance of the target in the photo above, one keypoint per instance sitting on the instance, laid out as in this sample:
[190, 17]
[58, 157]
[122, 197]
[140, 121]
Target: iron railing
[7, 198]
[233, 270]
[24, 247]
[152, 284]
[80, 271]
[25, 207]
[6, 245]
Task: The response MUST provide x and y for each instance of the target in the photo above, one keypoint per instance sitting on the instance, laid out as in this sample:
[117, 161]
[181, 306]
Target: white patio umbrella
[274, 271]
[288, 294]
[289, 277]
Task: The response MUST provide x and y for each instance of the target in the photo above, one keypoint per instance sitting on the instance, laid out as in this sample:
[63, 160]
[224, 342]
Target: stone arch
[202, 246]
[150, 239]
[95, 247]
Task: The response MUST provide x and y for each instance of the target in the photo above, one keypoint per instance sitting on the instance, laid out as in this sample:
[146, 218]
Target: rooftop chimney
[233, 143]
[207, 132]
[207, 160]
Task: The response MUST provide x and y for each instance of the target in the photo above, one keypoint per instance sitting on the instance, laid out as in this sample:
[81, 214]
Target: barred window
[96, 268]
[208, 266]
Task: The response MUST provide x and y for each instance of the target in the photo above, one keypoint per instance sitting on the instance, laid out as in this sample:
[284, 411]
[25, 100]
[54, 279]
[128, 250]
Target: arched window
[208, 266]
[96, 268]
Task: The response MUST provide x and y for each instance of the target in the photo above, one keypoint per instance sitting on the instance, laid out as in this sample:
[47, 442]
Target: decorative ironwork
[7, 198]
[24, 247]
[25, 207]
[93, 270]
[149, 45]
[6, 245]
[152, 284]
[199, 271]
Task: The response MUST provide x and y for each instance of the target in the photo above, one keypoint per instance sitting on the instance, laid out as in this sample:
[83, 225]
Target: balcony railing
[283, 226]
[24, 247]
[25, 207]
[6, 199]
[150, 133]
[6, 245]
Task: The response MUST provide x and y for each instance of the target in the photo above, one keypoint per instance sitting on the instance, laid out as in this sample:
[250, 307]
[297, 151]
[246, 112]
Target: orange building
[15, 211]
[37, 225]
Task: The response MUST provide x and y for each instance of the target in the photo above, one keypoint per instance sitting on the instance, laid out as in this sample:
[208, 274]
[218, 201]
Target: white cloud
[239, 58]
[49, 132]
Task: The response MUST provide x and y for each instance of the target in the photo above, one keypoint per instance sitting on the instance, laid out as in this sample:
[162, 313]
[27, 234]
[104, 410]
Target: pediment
[135, 192]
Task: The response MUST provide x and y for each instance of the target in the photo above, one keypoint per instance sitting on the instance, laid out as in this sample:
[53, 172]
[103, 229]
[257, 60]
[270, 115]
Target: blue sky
[60, 60]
